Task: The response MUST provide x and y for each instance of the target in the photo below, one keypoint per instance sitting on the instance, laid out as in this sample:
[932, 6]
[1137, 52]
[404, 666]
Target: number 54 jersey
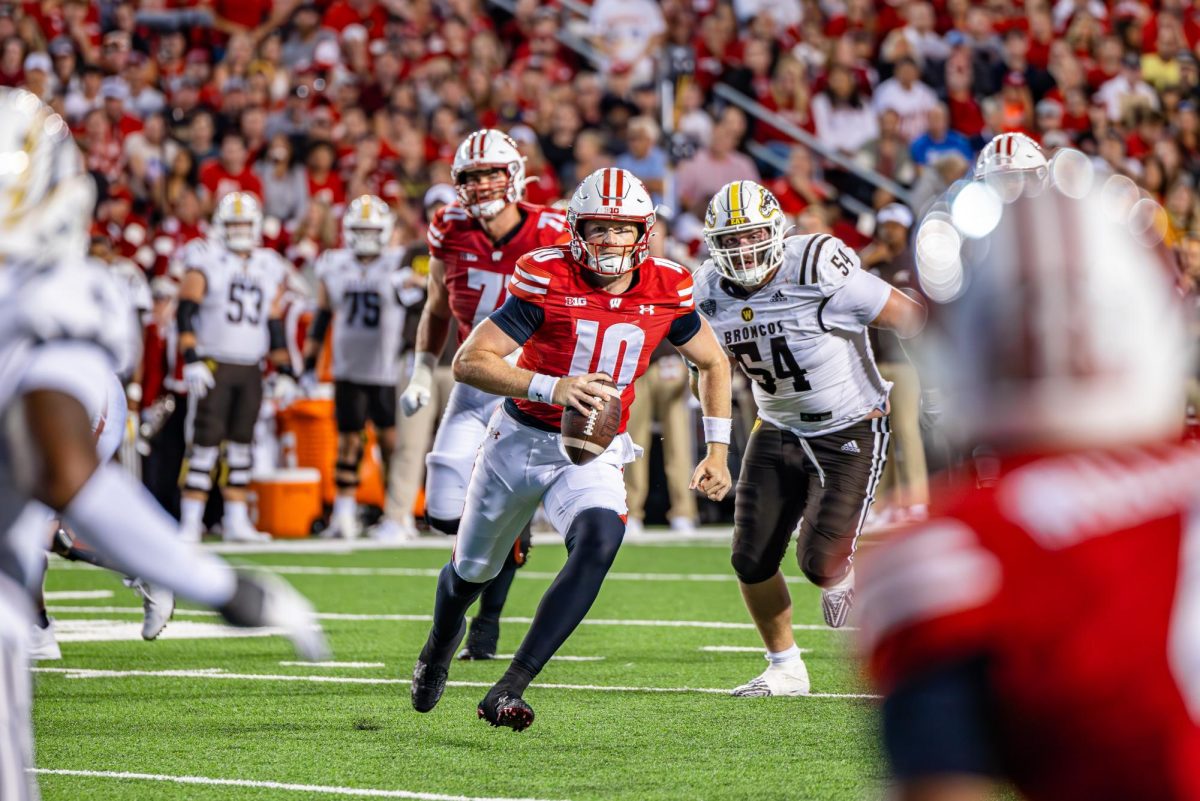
[232, 324]
[802, 337]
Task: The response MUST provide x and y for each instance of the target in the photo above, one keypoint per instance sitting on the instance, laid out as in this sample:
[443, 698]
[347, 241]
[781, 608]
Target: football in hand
[586, 436]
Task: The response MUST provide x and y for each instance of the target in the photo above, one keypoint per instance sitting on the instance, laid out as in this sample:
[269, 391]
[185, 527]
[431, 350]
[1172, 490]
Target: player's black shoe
[502, 707]
[482, 640]
[429, 676]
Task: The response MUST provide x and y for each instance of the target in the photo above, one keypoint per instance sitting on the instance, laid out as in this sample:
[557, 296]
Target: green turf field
[634, 722]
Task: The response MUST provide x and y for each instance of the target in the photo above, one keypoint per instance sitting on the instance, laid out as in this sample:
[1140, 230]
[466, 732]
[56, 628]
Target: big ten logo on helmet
[747, 314]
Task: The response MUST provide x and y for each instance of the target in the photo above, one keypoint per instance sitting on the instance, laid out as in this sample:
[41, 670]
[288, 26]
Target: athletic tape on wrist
[541, 388]
[718, 429]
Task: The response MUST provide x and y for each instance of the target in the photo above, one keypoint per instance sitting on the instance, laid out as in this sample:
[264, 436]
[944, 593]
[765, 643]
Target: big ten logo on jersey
[615, 350]
[244, 302]
[361, 304]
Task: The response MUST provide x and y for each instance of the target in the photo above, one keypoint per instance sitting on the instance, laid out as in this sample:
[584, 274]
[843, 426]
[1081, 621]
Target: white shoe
[389, 530]
[634, 527]
[683, 525]
[789, 678]
[158, 606]
[43, 647]
[243, 532]
[837, 600]
[344, 526]
[192, 533]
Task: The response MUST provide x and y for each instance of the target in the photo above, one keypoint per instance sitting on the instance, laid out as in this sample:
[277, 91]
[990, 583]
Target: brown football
[587, 436]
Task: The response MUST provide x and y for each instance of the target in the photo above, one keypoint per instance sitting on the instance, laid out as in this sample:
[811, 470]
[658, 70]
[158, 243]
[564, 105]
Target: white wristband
[541, 388]
[718, 429]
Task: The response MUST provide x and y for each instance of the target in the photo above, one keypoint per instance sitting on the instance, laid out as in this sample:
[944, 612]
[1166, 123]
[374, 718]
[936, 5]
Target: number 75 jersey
[232, 324]
[801, 338]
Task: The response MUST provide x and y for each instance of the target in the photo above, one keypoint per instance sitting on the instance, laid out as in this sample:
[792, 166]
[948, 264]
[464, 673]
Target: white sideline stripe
[361, 792]
[216, 673]
[335, 664]
[346, 616]
[741, 649]
[77, 595]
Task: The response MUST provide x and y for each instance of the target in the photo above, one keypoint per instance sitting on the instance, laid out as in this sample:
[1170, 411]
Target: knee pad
[820, 567]
[239, 458]
[201, 461]
[448, 527]
[598, 533]
[750, 570]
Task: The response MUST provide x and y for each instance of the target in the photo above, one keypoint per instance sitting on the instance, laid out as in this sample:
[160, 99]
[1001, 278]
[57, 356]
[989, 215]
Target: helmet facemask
[606, 256]
[366, 240]
[484, 191]
[754, 253]
[239, 222]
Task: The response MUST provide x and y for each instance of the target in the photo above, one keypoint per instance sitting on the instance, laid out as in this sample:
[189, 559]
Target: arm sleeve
[855, 304]
[684, 328]
[518, 318]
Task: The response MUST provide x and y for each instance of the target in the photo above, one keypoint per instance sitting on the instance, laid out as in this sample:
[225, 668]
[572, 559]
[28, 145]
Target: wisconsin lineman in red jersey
[1043, 628]
[596, 308]
[473, 245]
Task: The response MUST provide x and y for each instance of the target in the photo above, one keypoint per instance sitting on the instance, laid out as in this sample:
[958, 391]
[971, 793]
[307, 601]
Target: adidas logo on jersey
[851, 447]
[778, 297]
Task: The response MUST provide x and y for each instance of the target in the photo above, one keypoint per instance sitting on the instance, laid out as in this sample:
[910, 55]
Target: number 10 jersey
[239, 290]
[801, 338]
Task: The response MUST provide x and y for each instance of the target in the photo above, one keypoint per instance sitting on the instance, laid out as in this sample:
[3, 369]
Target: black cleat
[501, 707]
[482, 640]
[429, 677]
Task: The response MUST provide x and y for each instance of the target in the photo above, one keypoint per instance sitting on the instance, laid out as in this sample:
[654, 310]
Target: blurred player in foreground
[1043, 627]
[63, 328]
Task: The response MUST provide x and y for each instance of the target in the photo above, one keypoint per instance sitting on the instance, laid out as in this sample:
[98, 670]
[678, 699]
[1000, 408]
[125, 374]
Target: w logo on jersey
[747, 314]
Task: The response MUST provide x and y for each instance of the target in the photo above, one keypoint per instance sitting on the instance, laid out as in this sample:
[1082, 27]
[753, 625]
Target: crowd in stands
[308, 104]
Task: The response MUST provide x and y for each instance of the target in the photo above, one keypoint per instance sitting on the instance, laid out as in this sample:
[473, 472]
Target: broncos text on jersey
[801, 337]
[578, 328]
[477, 269]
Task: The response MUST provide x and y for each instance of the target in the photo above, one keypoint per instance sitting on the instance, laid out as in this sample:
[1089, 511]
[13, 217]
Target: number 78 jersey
[802, 337]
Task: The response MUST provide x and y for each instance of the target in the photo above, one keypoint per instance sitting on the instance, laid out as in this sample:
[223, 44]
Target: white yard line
[741, 649]
[359, 792]
[334, 664]
[216, 673]
[344, 616]
[430, 572]
[77, 595]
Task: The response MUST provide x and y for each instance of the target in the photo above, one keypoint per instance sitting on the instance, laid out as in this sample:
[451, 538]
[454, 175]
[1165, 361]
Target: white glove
[420, 386]
[285, 390]
[199, 379]
[308, 383]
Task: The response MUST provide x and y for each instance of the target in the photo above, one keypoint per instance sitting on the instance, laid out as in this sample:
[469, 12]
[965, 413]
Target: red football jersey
[477, 269]
[587, 330]
[1077, 578]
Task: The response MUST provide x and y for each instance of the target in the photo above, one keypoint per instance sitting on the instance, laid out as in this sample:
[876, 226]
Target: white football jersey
[368, 302]
[232, 324]
[802, 337]
[132, 281]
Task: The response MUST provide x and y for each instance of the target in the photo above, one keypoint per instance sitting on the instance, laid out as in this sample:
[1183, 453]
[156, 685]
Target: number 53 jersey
[802, 337]
[232, 324]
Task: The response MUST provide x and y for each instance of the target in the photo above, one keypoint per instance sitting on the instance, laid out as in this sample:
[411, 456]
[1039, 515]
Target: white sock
[192, 511]
[844, 584]
[236, 514]
[783, 657]
[345, 505]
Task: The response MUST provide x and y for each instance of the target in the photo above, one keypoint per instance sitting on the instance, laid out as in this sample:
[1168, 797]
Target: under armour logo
[646, 309]
[495, 432]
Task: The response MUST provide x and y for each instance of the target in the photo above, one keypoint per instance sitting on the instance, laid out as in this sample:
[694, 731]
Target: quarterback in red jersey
[473, 246]
[594, 309]
[1043, 628]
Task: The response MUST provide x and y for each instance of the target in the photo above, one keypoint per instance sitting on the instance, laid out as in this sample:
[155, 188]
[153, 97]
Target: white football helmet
[610, 193]
[46, 196]
[1066, 334]
[238, 222]
[740, 207]
[488, 149]
[367, 225]
[1013, 165]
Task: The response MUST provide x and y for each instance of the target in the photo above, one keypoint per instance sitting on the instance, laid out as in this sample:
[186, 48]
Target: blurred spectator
[939, 139]
[937, 177]
[284, 186]
[905, 94]
[229, 172]
[1125, 92]
[645, 158]
[843, 118]
[711, 168]
[627, 33]
[799, 187]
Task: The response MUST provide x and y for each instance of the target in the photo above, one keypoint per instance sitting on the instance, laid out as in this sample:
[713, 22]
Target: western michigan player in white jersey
[63, 332]
[364, 292]
[792, 314]
[474, 245]
[229, 318]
